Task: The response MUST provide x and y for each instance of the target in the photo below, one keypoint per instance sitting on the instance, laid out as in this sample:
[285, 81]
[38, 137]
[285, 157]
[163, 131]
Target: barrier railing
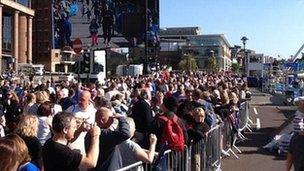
[228, 138]
[204, 155]
[243, 117]
[212, 151]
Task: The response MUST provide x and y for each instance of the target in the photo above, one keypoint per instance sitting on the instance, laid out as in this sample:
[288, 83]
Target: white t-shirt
[111, 94]
[51, 90]
[44, 130]
[56, 109]
[2, 134]
[89, 115]
[298, 122]
[128, 150]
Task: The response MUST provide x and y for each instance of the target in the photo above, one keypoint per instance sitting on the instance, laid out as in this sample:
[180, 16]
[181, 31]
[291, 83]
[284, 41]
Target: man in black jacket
[142, 115]
[109, 158]
[11, 110]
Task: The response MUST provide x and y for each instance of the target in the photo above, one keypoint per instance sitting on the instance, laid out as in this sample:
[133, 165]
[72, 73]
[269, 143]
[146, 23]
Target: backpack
[173, 134]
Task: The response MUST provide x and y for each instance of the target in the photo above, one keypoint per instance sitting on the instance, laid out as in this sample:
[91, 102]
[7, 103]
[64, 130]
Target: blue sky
[273, 27]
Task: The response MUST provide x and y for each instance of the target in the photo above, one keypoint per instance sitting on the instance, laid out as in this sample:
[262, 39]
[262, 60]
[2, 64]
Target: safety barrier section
[243, 117]
[228, 138]
[212, 152]
[204, 155]
[232, 129]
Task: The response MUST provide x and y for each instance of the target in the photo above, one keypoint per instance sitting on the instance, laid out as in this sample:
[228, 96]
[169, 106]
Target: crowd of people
[112, 16]
[109, 125]
[98, 15]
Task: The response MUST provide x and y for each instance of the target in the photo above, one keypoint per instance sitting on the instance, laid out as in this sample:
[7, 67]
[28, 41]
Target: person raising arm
[58, 156]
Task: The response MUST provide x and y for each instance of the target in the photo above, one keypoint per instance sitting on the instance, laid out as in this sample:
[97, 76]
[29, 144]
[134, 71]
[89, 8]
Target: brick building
[16, 33]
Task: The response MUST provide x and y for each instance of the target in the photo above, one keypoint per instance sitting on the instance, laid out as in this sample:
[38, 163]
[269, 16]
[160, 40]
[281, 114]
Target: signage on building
[77, 45]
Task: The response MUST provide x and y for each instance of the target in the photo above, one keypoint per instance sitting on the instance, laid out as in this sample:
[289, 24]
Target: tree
[188, 63]
[213, 65]
[235, 67]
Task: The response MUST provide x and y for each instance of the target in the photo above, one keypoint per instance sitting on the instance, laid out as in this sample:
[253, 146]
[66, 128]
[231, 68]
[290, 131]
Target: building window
[24, 2]
[59, 68]
[70, 68]
[7, 33]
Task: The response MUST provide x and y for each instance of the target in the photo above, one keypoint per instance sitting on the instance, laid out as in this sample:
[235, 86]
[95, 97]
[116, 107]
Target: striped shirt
[298, 122]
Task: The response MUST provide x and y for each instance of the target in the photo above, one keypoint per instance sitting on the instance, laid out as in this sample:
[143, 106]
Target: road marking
[258, 124]
[255, 111]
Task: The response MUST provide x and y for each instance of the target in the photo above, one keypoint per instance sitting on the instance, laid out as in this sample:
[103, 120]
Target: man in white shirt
[295, 154]
[84, 111]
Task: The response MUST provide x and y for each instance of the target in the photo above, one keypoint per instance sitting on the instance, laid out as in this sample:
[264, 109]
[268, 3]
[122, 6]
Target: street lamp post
[146, 58]
[244, 40]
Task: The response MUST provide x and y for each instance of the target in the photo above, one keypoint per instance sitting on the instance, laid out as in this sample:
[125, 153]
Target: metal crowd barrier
[212, 151]
[232, 132]
[173, 160]
[204, 155]
[243, 117]
[228, 138]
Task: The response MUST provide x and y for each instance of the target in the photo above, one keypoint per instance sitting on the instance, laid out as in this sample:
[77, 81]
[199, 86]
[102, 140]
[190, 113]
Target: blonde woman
[41, 97]
[22, 157]
[199, 128]
[27, 129]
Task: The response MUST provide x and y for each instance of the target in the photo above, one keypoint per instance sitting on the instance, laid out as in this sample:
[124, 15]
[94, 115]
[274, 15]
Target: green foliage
[213, 65]
[188, 63]
[235, 67]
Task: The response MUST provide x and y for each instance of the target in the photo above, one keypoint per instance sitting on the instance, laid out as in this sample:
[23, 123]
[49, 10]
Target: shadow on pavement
[288, 111]
[258, 138]
[265, 152]
[277, 100]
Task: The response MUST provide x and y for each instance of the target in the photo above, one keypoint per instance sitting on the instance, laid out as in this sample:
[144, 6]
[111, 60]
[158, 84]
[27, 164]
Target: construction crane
[297, 54]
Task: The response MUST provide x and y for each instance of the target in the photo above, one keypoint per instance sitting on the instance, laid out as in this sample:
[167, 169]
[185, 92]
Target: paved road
[253, 157]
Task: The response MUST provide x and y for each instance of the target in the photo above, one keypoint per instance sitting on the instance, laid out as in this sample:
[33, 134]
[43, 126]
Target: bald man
[109, 156]
[84, 111]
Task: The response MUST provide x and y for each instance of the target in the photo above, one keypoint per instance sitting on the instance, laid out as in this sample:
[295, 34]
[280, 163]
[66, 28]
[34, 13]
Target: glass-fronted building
[205, 46]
